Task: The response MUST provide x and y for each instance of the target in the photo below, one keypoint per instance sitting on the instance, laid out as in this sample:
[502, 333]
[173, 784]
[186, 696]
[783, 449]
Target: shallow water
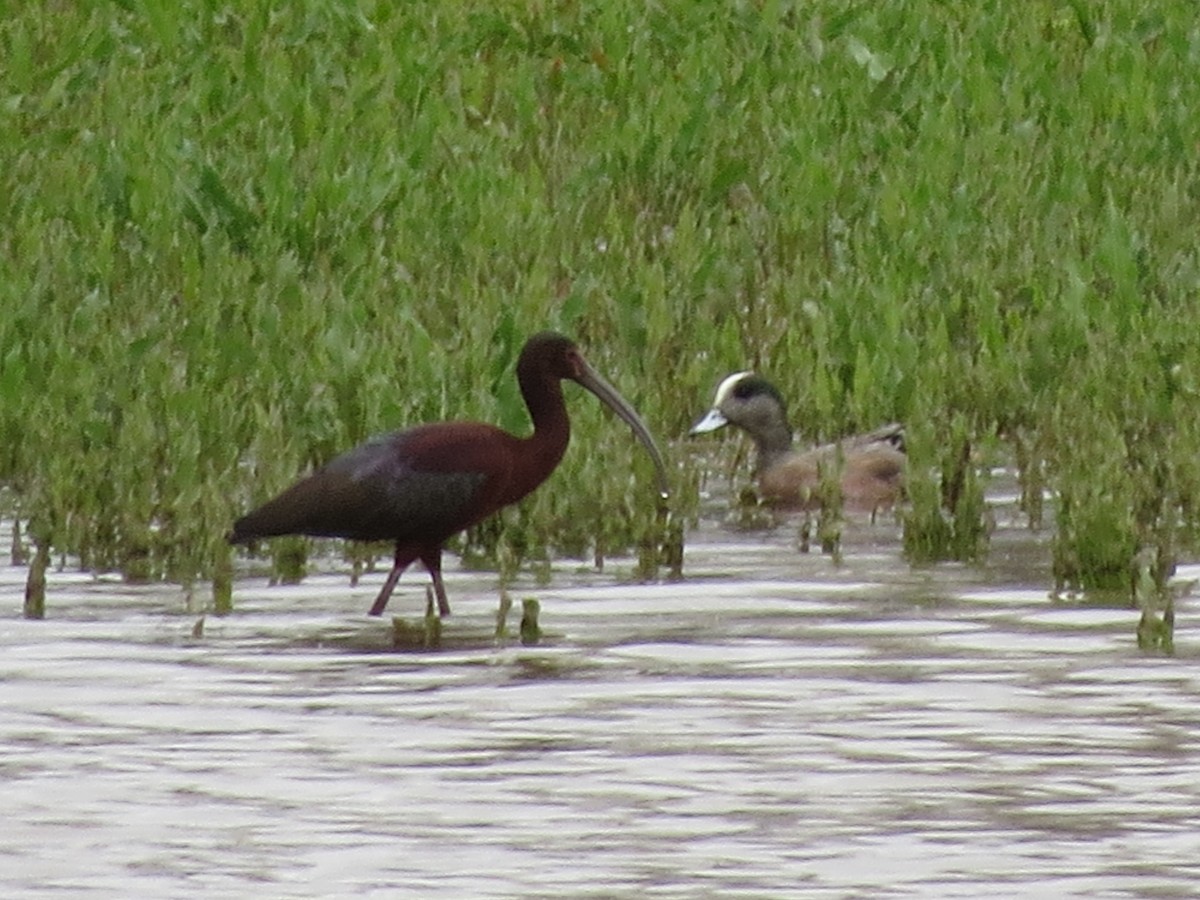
[774, 725]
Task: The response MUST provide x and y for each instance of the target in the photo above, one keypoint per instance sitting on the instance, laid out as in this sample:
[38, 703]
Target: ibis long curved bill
[590, 379]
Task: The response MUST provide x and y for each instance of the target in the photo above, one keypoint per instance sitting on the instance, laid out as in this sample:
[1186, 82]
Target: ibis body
[420, 486]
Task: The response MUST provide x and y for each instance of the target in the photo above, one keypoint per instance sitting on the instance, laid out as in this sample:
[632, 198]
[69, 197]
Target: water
[773, 726]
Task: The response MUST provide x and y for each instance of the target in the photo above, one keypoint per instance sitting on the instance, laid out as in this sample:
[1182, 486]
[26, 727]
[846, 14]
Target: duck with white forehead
[871, 464]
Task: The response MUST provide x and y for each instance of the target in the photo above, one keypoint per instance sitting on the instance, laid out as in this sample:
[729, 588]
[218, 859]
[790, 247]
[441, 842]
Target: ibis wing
[384, 489]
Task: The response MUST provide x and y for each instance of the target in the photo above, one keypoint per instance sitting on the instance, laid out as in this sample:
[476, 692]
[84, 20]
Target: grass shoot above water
[240, 239]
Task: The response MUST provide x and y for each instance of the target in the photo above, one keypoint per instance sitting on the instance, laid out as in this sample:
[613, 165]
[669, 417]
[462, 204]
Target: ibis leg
[403, 558]
[433, 564]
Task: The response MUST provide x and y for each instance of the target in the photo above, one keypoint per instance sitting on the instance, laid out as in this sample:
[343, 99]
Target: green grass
[238, 239]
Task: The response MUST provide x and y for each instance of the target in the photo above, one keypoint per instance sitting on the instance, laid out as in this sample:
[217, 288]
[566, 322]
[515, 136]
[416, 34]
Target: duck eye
[744, 389]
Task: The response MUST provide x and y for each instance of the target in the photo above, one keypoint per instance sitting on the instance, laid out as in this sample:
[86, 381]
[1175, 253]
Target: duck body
[871, 465]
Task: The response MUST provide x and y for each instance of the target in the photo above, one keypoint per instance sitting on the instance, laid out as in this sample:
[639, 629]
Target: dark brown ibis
[871, 465]
[422, 485]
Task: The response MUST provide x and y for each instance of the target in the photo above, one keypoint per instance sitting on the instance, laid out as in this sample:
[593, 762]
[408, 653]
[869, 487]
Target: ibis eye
[575, 364]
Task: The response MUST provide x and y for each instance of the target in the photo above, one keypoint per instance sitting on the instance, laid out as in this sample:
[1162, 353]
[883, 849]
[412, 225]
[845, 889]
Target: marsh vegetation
[239, 239]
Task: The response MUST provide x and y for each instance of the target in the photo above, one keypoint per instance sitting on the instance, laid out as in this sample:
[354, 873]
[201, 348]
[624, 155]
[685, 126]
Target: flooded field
[774, 725]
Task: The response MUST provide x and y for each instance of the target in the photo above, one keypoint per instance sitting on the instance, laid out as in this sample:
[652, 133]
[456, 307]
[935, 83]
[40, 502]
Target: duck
[872, 464]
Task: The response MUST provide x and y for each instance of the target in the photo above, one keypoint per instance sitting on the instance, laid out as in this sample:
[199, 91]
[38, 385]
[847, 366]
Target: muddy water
[774, 725]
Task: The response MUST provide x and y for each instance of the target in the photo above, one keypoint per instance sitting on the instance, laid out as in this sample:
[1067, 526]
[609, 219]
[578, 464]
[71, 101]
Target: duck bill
[590, 379]
[710, 421]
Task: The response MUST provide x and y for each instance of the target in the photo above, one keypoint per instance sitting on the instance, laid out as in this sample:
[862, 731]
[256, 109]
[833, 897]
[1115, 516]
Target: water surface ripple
[774, 725]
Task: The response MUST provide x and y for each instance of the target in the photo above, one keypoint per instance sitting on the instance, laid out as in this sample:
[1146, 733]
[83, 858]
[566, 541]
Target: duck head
[750, 402]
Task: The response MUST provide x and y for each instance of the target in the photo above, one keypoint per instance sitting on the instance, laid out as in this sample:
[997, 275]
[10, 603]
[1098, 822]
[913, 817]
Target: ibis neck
[551, 427]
